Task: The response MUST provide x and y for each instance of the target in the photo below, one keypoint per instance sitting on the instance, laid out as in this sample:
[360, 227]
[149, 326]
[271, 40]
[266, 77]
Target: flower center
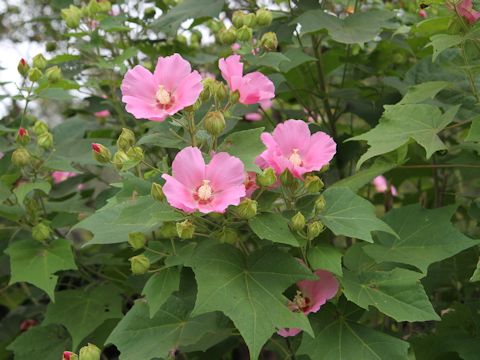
[163, 96]
[295, 158]
[204, 192]
[301, 303]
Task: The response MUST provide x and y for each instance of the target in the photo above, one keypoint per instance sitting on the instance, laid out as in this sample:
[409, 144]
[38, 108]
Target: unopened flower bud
[237, 18]
[39, 61]
[149, 13]
[23, 137]
[23, 67]
[314, 229]
[168, 230]
[208, 88]
[41, 231]
[185, 229]
[247, 209]
[297, 222]
[101, 153]
[226, 236]
[72, 16]
[220, 91]
[286, 178]
[196, 36]
[234, 96]
[139, 264]
[119, 159]
[157, 192]
[40, 127]
[34, 74]
[250, 20]
[126, 139]
[51, 46]
[54, 74]
[313, 184]
[244, 33]
[267, 177]
[264, 17]
[228, 36]
[214, 123]
[90, 352]
[45, 140]
[21, 157]
[269, 41]
[68, 355]
[105, 6]
[93, 8]
[137, 240]
[320, 204]
[135, 153]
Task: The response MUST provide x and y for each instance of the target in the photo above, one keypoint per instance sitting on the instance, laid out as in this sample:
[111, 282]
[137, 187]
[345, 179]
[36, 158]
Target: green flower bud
[126, 139]
[196, 36]
[220, 91]
[34, 74]
[119, 159]
[41, 231]
[157, 192]
[215, 26]
[313, 184]
[135, 153]
[54, 74]
[90, 352]
[40, 127]
[23, 67]
[105, 6]
[45, 140]
[139, 264]
[297, 222]
[51, 46]
[208, 88]
[21, 157]
[226, 236]
[137, 240]
[247, 209]
[68, 355]
[314, 229]
[149, 13]
[185, 229]
[228, 37]
[39, 61]
[250, 20]
[214, 123]
[168, 230]
[237, 19]
[72, 16]
[267, 177]
[286, 178]
[244, 33]
[269, 41]
[101, 153]
[319, 204]
[93, 8]
[23, 137]
[234, 96]
[264, 17]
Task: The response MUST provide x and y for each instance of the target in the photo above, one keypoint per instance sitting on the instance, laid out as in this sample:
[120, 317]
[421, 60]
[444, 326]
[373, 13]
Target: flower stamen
[295, 158]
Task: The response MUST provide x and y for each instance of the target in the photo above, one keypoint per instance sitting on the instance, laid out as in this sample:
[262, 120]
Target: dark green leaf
[273, 227]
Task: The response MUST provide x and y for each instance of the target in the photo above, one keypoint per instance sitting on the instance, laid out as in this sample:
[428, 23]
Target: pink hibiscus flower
[253, 87]
[293, 147]
[465, 9]
[206, 188]
[172, 87]
[250, 183]
[256, 116]
[311, 296]
[381, 185]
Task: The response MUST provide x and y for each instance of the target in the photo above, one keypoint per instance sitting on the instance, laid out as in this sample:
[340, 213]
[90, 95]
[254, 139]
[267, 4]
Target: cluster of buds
[37, 71]
[243, 25]
[127, 154]
[73, 14]
[21, 157]
[88, 352]
[44, 137]
[213, 89]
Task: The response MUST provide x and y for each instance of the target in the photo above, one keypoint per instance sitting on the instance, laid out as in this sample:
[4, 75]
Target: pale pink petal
[292, 134]
[321, 150]
[235, 47]
[250, 183]
[380, 183]
[288, 332]
[231, 66]
[253, 116]
[256, 87]
[393, 191]
[189, 89]
[102, 113]
[188, 167]
[225, 198]
[318, 291]
[178, 195]
[170, 71]
[266, 104]
[139, 83]
[225, 171]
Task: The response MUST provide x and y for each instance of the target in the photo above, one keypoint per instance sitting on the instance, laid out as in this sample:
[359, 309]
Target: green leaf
[441, 42]
[350, 215]
[326, 257]
[138, 336]
[296, 58]
[359, 27]
[35, 263]
[424, 91]
[474, 132]
[81, 312]
[424, 237]
[159, 287]
[112, 223]
[248, 290]
[24, 189]
[338, 337]
[364, 176]
[246, 145]
[41, 342]
[57, 94]
[273, 227]
[273, 60]
[476, 275]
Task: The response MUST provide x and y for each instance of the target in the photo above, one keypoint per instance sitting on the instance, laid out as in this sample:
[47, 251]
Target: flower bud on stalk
[313, 184]
[208, 88]
[72, 16]
[23, 67]
[298, 222]
[139, 265]
[267, 177]
[135, 153]
[23, 137]
[320, 204]
[126, 139]
[227, 236]
[185, 229]
[137, 240]
[157, 192]
[234, 96]
[93, 8]
[168, 230]
[41, 231]
[220, 91]
[247, 209]
[21, 157]
[228, 36]
[244, 33]
[68, 355]
[45, 140]
[286, 178]
[314, 229]
[264, 17]
[40, 127]
[54, 74]
[34, 74]
[214, 123]
[250, 20]
[269, 41]
[51, 46]
[90, 352]
[101, 153]
[119, 159]
[237, 18]
[39, 61]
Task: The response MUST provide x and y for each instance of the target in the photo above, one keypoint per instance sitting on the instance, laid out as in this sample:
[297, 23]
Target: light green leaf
[337, 338]
[424, 237]
[273, 60]
[359, 27]
[365, 176]
[476, 275]
[424, 91]
[81, 312]
[296, 57]
[35, 263]
[246, 145]
[273, 227]
[24, 189]
[441, 42]
[159, 287]
[474, 132]
[326, 257]
[350, 215]
[57, 94]
[249, 290]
